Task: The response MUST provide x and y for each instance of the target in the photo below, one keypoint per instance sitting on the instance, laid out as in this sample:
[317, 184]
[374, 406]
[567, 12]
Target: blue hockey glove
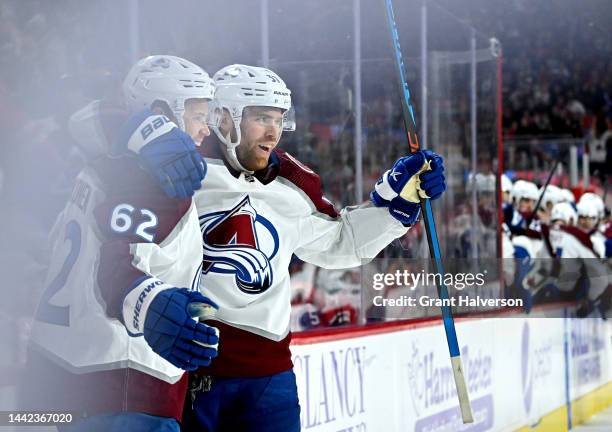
[172, 332]
[166, 152]
[418, 175]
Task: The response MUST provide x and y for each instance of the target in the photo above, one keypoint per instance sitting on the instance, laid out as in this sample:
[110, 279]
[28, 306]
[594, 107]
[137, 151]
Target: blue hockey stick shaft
[430, 224]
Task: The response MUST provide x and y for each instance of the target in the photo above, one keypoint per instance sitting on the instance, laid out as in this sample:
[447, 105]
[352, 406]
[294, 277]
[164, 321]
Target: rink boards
[522, 373]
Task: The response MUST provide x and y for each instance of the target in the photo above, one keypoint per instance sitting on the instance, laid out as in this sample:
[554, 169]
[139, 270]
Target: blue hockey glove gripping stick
[172, 332]
[418, 175]
[166, 152]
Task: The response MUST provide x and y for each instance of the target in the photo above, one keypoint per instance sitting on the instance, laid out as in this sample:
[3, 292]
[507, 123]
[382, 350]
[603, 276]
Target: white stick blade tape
[462, 393]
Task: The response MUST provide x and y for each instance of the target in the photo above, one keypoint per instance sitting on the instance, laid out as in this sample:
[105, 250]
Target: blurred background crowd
[555, 82]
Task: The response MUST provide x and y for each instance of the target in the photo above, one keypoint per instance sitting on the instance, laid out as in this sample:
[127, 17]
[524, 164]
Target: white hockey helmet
[567, 196]
[551, 195]
[240, 86]
[587, 208]
[524, 189]
[595, 202]
[506, 183]
[565, 212]
[168, 79]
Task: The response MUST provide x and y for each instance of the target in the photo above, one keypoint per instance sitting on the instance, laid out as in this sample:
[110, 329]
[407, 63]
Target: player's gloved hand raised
[172, 332]
[418, 175]
[166, 152]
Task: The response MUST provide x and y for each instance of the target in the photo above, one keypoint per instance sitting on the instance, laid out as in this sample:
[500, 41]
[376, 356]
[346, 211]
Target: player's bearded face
[260, 129]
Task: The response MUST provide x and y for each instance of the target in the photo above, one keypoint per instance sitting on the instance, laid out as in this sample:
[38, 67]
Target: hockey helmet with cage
[239, 86]
[168, 79]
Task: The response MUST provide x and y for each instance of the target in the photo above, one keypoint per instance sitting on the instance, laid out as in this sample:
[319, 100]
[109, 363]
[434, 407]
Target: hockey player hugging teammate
[113, 337]
[257, 206]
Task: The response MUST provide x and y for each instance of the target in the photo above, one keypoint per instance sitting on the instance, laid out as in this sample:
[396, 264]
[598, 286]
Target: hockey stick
[430, 225]
[537, 206]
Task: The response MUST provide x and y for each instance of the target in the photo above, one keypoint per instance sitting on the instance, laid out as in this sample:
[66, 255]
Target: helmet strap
[230, 148]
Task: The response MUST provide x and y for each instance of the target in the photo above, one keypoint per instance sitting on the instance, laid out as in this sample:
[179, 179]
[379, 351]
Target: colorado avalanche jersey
[251, 225]
[118, 228]
[579, 256]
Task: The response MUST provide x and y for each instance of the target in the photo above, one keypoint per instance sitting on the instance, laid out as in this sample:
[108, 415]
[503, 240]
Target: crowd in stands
[557, 81]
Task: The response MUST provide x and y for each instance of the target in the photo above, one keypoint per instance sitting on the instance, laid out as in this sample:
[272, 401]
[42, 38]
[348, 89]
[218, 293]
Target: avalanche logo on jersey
[241, 242]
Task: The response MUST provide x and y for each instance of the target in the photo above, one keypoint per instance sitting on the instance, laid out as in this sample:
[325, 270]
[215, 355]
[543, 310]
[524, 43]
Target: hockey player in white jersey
[522, 222]
[594, 211]
[519, 215]
[528, 243]
[542, 279]
[258, 205]
[579, 255]
[113, 334]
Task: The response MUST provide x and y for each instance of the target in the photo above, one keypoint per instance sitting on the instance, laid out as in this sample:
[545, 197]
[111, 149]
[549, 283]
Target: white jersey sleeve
[350, 240]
